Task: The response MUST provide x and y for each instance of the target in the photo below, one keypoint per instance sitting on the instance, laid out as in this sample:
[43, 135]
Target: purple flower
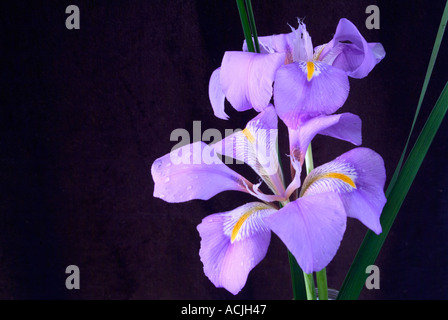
[312, 227]
[307, 81]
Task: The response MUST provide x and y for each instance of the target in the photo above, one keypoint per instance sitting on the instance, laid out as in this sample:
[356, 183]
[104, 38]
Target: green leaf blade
[372, 243]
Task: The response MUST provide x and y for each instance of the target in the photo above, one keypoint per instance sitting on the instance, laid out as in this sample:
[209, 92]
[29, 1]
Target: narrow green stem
[245, 24]
[321, 276]
[310, 287]
[322, 288]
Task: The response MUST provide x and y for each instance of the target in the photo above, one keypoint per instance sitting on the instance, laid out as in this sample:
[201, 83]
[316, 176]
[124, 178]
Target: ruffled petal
[302, 90]
[216, 95]
[345, 126]
[246, 78]
[256, 146]
[349, 51]
[302, 44]
[233, 243]
[192, 172]
[312, 228]
[358, 176]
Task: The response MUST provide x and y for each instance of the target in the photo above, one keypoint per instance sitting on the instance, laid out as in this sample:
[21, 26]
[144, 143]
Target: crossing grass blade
[371, 245]
[401, 180]
[431, 64]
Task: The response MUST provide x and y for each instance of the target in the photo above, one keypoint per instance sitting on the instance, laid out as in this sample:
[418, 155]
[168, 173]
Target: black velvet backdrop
[84, 113]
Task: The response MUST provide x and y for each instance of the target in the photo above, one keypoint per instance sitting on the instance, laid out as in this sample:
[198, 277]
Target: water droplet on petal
[167, 179]
[157, 164]
[189, 188]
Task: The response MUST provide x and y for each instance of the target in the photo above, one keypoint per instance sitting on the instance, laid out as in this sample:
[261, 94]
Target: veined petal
[297, 98]
[233, 243]
[216, 95]
[358, 176]
[345, 126]
[312, 228]
[246, 78]
[256, 146]
[192, 172]
[349, 51]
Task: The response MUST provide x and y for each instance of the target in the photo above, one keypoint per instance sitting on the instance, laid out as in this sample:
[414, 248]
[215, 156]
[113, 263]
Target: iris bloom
[307, 82]
[312, 226]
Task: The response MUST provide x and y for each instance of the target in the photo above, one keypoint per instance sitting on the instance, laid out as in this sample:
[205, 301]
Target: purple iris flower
[312, 226]
[304, 81]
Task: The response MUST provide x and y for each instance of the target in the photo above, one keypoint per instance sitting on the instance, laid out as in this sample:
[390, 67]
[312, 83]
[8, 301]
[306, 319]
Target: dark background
[84, 113]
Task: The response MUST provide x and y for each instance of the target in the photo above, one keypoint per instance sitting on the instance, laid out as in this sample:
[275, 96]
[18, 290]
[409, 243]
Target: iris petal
[216, 95]
[233, 243]
[193, 172]
[296, 97]
[280, 43]
[365, 169]
[345, 126]
[246, 78]
[349, 51]
[256, 146]
[312, 228]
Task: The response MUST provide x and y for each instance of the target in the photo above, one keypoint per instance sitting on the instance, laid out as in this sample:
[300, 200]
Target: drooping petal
[349, 51]
[345, 126]
[256, 146]
[312, 228]
[308, 89]
[358, 176]
[192, 172]
[233, 243]
[216, 95]
[246, 78]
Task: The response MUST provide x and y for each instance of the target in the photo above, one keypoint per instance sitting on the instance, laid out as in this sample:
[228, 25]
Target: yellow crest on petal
[310, 67]
[340, 176]
[242, 219]
[248, 135]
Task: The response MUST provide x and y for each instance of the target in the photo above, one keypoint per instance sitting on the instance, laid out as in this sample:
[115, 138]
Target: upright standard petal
[302, 44]
[312, 228]
[256, 146]
[193, 172]
[358, 176]
[246, 78]
[345, 126]
[216, 95]
[233, 243]
[308, 89]
[349, 51]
